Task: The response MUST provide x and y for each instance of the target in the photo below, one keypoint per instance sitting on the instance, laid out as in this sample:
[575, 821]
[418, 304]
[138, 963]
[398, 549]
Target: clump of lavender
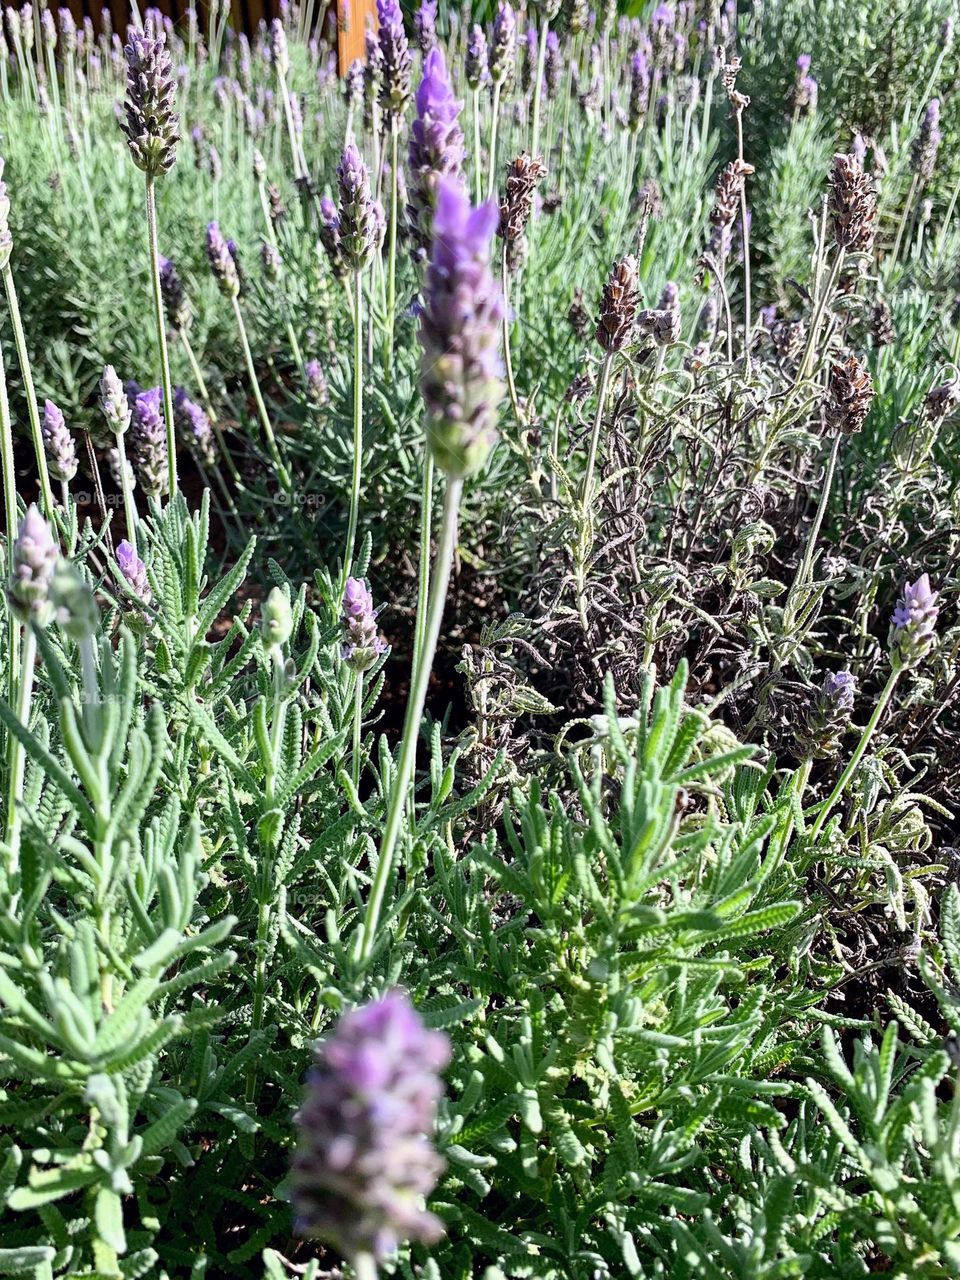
[503, 46]
[618, 305]
[362, 645]
[805, 88]
[364, 1158]
[425, 26]
[358, 223]
[148, 443]
[913, 627]
[58, 443]
[459, 327]
[151, 126]
[477, 71]
[436, 146]
[193, 427]
[33, 561]
[395, 57]
[827, 717]
[852, 204]
[849, 392]
[174, 295]
[923, 156]
[223, 264]
[134, 571]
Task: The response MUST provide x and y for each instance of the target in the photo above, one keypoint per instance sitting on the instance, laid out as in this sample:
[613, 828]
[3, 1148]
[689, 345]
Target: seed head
[849, 392]
[618, 305]
[852, 204]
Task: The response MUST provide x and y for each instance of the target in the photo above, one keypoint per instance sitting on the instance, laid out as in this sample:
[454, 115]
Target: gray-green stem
[857, 756]
[406, 763]
[357, 427]
[33, 412]
[28, 661]
[265, 422]
[161, 324]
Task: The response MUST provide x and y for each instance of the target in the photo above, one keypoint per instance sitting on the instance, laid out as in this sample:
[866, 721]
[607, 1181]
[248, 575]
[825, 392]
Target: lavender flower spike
[194, 427]
[395, 85]
[923, 157]
[222, 262]
[58, 442]
[425, 26]
[913, 628]
[362, 645]
[503, 48]
[357, 221]
[134, 571]
[364, 1159]
[113, 401]
[149, 443]
[174, 296]
[460, 369]
[152, 127]
[436, 144]
[476, 60]
[33, 561]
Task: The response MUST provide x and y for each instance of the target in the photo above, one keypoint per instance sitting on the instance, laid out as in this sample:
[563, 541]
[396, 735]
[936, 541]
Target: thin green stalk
[908, 205]
[210, 410]
[423, 575]
[817, 319]
[803, 572]
[33, 412]
[745, 236]
[857, 756]
[507, 358]
[129, 506]
[538, 88]
[357, 427]
[392, 250]
[282, 473]
[586, 493]
[357, 722]
[492, 158]
[477, 161]
[161, 324]
[400, 791]
[16, 757]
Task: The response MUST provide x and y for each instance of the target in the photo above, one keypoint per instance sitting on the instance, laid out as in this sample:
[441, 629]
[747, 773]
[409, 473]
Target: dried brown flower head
[524, 175]
[852, 204]
[618, 306]
[849, 392]
[728, 191]
[578, 316]
[943, 399]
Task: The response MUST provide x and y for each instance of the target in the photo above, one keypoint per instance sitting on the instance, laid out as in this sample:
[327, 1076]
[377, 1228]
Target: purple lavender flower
[425, 26]
[913, 627]
[460, 370]
[33, 561]
[436, 144]
[152, 128]
[113, 401]
[134, 571]
[362, 645]
[827, 716]
[552, 65]
[222, 262]
[58, 443]
[395, 87]
[148, 437]
[174, 296]
[317, 389]
[193, 427]
[476, 68]
[503, 46]
[840, 689]
[364, 1158]
[357, 222]
[330, 237]
[531, 46]
[923, 157]
[805, 88]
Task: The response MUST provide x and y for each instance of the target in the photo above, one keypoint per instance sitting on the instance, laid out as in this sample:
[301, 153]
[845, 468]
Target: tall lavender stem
[166, 381]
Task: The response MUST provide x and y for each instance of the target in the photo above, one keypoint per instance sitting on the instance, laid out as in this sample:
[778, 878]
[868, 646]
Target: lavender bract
[460, 370]
[364, 1158]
